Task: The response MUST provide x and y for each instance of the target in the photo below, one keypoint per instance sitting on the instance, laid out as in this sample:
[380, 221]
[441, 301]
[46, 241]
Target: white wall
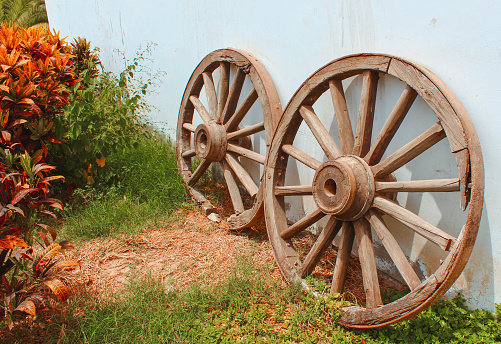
[456, 39]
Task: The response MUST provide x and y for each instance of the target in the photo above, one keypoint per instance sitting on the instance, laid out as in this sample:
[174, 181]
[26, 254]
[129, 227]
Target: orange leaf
[57, 206]
[41, 167]
[6, 135]
[49, 213]
[101, 161]
[20, 195]
[44, 238]
[58, 288]
[54, 202]
[17, 121]
[66, 245]
[64, 264]
[47, 254]
[27, 307]
[51, 230]
[26, 101]
[10, 241]
[48, 179]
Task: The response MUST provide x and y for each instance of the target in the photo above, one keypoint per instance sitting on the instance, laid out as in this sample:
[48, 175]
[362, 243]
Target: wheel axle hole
[202, 142]
[330, 187]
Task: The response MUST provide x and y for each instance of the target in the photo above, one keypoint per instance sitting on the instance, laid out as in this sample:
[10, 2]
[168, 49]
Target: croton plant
[36, 76]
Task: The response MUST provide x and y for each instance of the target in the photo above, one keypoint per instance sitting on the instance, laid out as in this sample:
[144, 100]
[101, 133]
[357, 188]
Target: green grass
[144, 188]
[248, 307]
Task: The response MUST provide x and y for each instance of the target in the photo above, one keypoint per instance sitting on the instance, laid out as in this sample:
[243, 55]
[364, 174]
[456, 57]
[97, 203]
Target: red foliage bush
[36, 76]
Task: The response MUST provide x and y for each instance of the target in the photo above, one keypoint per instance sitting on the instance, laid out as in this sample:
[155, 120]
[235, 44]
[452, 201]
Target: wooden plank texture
[202, 111]
[409, 151]
[224, 85]
[236, 198]
[366, 113]
[367, 263]
[414, 222]
[301, 156]
[242, 174]
[329, 146]
[247, 131]
[342, 116]
[393, 248]
[210, 91]
[322, 243]
[234, 95]
[343, 258]
[293, 190]
[391, 125]
[302, 224]
[249, 154]
[204, 164]
[242, 110]
[189, 127]
[433, 185]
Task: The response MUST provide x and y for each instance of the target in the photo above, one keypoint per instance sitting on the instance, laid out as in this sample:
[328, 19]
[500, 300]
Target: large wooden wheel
[216, 128]
[355, 191]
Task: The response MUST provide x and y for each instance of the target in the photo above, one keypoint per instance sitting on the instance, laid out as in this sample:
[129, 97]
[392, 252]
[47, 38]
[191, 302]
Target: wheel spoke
[232, 102]
[242, 110]
[199, 172]
[189, 153]
[434, 185]
[294, 190]
[249, 154]
[231, 183]
[210, 90]
[366, 113]
[202, 111]
[224, 82]
[414, 222]
[247, 131]
[301, 156]
[409, 151]
[343, 258]
[391, 126]
[242, 174]
[367, 263]
[322, 243]
[189, 127]
[342, 115]
[323, 137]
[393, 248]
[302, 224]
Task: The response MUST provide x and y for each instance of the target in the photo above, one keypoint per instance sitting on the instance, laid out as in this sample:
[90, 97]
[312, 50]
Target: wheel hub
[210, 141]
[344, 187]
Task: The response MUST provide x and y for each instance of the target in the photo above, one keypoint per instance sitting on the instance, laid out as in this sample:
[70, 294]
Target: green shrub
[444, 322]
[106, 116]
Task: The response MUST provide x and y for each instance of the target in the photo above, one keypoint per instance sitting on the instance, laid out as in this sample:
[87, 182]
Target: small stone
[214, 217]
[208, 208]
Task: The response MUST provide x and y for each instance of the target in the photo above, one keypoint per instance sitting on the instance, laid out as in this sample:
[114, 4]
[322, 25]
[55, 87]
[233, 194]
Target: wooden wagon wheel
[220, 137]
[353, 189]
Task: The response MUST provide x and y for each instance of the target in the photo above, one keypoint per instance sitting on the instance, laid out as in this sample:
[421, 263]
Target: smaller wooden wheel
[375, 184]
[216, 128]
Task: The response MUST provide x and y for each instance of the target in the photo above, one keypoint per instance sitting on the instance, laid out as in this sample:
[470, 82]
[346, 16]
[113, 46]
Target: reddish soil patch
[191, 249]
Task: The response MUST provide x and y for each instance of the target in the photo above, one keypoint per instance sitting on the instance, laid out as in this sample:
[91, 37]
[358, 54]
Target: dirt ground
[191, 248]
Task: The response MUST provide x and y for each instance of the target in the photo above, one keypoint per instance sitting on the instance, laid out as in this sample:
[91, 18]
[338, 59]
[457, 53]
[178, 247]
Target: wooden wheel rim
[458, 129]
[221, 119]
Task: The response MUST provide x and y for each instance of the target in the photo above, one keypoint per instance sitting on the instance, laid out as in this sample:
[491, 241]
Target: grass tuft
[144, 188]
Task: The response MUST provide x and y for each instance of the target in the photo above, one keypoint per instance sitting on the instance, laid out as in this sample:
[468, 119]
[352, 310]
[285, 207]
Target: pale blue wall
[456, 39]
